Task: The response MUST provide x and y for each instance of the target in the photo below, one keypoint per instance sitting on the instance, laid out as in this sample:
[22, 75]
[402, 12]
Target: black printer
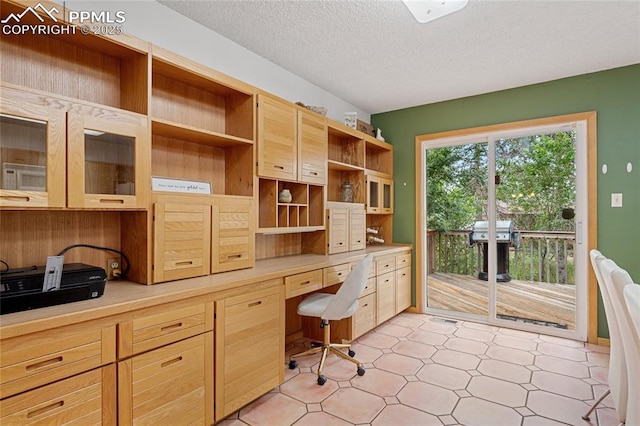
[23, 289]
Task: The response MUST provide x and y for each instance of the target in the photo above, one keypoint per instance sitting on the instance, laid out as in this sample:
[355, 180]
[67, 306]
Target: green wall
[614, 94]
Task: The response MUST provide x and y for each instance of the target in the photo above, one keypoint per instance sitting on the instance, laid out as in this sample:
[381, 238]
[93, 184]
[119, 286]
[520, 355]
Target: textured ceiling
[376, 56]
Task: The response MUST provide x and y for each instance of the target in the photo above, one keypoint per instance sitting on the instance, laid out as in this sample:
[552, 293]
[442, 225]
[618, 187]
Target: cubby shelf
[305, 212]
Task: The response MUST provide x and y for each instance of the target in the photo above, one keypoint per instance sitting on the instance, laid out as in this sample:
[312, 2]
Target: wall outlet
[616, 200]
[114, 268]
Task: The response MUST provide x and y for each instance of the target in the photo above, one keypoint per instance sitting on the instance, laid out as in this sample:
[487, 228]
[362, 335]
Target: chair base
[325, 348]
[595, 404]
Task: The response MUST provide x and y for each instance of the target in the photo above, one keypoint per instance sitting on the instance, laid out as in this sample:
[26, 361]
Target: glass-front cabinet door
[386, 203]
[32, 153]
[373, 193]
[108, 162]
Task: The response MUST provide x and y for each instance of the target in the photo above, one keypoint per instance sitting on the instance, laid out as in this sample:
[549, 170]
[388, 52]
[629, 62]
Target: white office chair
[617, 377]
[333, 307]
[630, 341]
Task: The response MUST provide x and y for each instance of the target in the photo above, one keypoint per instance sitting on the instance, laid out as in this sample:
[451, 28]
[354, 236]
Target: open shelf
[345, 147]
[189, 94]
[379, 156]
[78, 66]
[186, 153]
[305, 212]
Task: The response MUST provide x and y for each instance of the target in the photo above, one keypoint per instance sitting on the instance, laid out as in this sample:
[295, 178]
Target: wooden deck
[524, 300]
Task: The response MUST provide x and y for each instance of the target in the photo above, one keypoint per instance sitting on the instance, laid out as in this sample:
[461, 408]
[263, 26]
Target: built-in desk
[135, 334]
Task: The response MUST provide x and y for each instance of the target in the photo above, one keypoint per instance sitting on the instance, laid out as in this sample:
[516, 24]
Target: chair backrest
[632, 298]
[349, 291]
[630, 342]
[618, 379]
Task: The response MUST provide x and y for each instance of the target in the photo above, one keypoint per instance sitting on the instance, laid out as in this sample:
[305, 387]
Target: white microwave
[25, 177]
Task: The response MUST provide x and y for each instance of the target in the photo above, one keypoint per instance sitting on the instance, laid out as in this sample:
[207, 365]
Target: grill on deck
[505, 236]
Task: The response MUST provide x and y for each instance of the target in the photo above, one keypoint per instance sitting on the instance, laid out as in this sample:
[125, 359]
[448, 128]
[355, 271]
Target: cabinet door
[168, 385]
[357, 229]
[338, 231]
[249, 347]
[108, 161]
[181, 241]
[386, 296]
[88, 399]
[233, 242]
[33, 153]
[277, 139]
[374, 188]
[403, 289]
[312, 142]
[386, 195]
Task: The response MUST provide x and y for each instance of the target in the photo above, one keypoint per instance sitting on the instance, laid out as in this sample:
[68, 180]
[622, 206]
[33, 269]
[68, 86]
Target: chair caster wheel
[322, 380]
[351, 353]
[360, 371]
[293, 364]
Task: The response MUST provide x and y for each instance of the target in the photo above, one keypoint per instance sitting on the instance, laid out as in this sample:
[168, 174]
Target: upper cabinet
[58, 153]
[33, 153]
[203, 125]
[292, 144]
[277, 139]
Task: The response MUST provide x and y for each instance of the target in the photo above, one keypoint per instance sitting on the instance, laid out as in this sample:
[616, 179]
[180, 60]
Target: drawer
[403, 289]
[403, 260]
[303, 283]
[40, 358]
[166, 385]
[370, 287]
[83, 398]
[385, 264]
[365, 316]
[336, 274]
[171, 325]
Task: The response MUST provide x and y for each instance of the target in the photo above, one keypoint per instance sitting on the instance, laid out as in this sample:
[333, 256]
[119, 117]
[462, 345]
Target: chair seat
[315, 305]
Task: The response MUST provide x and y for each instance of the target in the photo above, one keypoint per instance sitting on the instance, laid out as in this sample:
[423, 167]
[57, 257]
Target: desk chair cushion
[632, 297]
[316, 304]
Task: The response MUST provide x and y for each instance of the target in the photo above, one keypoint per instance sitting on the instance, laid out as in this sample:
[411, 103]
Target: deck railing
[543, 256]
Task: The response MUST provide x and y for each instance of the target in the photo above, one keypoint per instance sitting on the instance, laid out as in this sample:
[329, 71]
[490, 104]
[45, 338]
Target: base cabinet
[249, 347]
[168, 385]
[84, 399]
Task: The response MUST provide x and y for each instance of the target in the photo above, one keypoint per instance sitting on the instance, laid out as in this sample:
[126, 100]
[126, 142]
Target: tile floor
[423, 371]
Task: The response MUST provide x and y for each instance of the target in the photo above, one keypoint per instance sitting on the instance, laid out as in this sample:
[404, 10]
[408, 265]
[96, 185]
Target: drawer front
[365, 316]
[336, 274]
[167, 385]
[182, 241]
[152, 331]
[385, 264]
[370, 287]
[386, 299]
[41, 358]
[234, 245]
[79, 399]
[303, 283]
[403, 289]
[403, 260]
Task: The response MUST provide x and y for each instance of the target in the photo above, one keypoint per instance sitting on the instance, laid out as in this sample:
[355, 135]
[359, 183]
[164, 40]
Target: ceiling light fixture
[428, 10]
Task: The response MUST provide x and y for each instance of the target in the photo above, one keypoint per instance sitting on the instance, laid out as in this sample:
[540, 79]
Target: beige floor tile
[478, 412]
[557, 407]
[429, 398]
[414, 349]
[466, 345]
[474, 334]
[505, 371]
[496, 390]
[515, 342]
[393, 330]
[401, 415]
[561, 351]
[562, 366]
[399, 364]
[446, 377]
[563, 385]
[380, 382]
[273, 409]
[304, 387]
[353, 405]
[514, 356]
[456, 359]
[427, 337]
[320, 419]
[377, 340]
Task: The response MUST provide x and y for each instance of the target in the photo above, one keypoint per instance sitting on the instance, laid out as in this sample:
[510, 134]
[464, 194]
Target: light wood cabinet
[303, 283]
[249, 347]
[345, 228]
[292, 144]
[233, 230]
[277, 139]
[379, 194]
[165, 371]
[386, 296]
[182, 239]
[83, 399]
[312, 141]
[108, 161]
[33, 152]
[336, 274]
